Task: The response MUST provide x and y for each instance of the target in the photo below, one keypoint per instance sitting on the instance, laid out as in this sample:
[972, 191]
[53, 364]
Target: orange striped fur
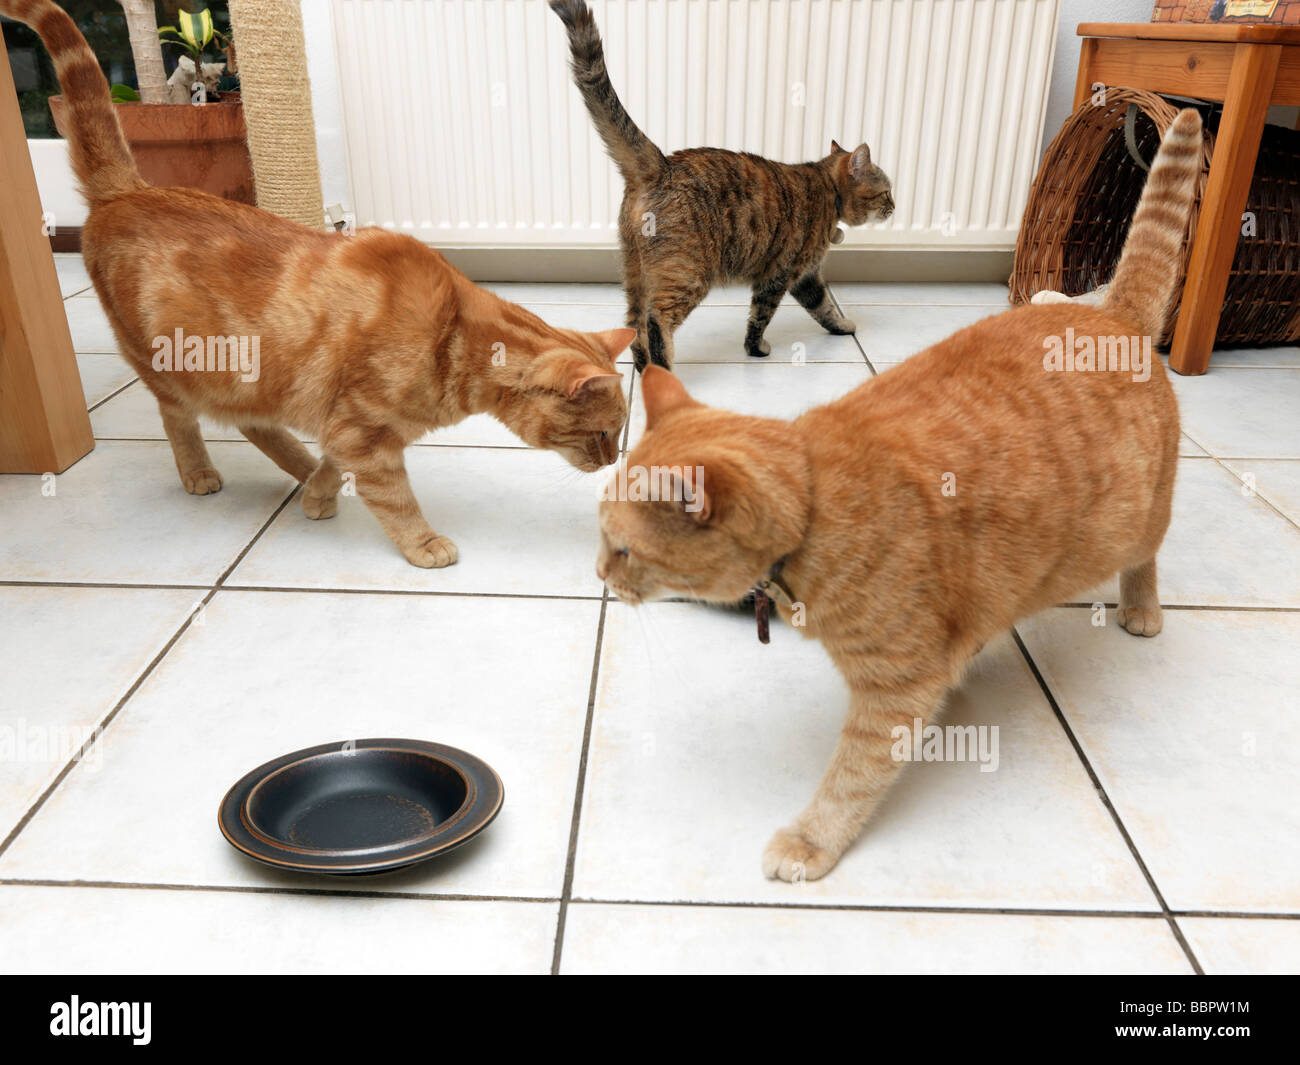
[929, 509]
[365, 342]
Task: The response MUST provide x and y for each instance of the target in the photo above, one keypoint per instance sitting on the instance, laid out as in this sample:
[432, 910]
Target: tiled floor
[1143, 817]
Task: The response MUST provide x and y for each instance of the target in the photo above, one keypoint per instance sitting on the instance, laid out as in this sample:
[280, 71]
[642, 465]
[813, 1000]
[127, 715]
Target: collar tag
[763, 615]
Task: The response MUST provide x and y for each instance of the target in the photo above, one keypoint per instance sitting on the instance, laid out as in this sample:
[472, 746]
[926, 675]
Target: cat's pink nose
[602, 570]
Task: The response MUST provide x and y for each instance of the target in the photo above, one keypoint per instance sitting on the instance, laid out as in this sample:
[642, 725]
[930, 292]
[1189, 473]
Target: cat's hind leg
[766, 298]
[1139, 604]
[861, 771]
[673, 299]
[193, 462]
[813, 295]
[634, 288]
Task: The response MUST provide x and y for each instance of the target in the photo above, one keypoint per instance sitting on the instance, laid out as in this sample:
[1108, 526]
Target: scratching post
[276, 92]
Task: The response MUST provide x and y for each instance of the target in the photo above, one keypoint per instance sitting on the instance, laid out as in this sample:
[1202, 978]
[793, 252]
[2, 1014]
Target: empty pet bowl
[365, 806]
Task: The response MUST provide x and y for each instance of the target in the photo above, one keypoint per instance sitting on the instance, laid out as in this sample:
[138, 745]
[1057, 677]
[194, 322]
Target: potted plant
[181, 131]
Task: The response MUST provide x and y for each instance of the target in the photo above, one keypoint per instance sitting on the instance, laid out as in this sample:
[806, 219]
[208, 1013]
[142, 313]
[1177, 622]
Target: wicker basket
[1087, 190]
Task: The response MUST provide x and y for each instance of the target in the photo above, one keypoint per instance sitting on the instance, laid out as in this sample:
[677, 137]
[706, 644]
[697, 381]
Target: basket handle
[1130, 137]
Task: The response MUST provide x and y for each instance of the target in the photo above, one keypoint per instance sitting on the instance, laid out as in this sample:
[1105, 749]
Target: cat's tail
[1144, 280]
[632, 151]
[98, 150]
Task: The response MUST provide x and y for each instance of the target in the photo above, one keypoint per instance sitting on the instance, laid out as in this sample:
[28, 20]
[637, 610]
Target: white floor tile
[1277, 481]
[783, 942]
[942, 294]
[1222, 548]
[121, 515]
[890, 333]
[547, 292]
[1223, 358]
[68, 655]
[523, 520]
[1243, 945]
[766, 389]
[705, 742]
[75, 931]
[1194, 735]
[717, 334]
[133, 415]
[91, 333]
[102, 375]
[73, 276]
[1242, 414]
[269, 673]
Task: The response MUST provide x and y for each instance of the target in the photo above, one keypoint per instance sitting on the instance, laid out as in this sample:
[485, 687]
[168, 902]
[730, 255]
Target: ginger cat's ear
[614, 341]
[662, 393]
[835, 148]
[589, 378]
[694, 494]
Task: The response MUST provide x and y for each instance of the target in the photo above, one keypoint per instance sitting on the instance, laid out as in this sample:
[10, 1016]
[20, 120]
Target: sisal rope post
[276, 93]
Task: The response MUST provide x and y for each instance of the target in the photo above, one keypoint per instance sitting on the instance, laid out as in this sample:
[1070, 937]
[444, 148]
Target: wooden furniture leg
[44, 427]
[1250, 86]
[1083, 80]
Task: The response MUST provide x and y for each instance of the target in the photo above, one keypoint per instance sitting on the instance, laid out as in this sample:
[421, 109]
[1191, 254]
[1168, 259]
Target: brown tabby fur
[704, 216]
[367, 341]
[1061, 480]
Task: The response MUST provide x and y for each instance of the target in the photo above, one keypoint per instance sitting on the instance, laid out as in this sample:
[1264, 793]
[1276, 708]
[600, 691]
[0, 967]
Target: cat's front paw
[1141, 620]
[201, 482]
[319, 507]
[759, 350]
[434, 553]
[841, 327]
[792, 858]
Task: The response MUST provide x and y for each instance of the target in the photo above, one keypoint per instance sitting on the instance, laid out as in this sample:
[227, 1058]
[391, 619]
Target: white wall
[1060, 100]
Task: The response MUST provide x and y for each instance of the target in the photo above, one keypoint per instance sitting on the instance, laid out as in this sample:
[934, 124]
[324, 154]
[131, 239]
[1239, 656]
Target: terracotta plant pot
[195, 146]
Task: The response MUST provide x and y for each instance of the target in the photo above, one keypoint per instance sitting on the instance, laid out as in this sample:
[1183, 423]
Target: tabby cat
[366, 341]
[927, 510]
[704, 215]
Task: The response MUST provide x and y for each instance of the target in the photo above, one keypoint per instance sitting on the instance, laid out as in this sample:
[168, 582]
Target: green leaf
[196, 28]
[124, 94]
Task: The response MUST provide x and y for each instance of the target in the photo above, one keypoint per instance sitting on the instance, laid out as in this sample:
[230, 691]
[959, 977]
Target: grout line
[740, 904]
[835, 300]
[266, 889]
[571, 857]
[1105, 801]
[112, 395]
[107, 719]
[1197, 606]
[867, 907]
[73, 295]
[1256, 493]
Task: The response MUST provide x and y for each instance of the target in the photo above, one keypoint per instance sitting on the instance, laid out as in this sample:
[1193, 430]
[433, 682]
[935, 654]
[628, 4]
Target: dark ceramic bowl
[365, 806]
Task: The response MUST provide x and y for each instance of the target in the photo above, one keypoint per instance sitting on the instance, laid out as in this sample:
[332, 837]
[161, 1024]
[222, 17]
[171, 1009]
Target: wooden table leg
[44, 427]
[1083, 80]
[1250, 85]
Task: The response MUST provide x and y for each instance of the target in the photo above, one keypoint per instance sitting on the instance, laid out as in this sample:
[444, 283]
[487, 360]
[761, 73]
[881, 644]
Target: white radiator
[462, 126]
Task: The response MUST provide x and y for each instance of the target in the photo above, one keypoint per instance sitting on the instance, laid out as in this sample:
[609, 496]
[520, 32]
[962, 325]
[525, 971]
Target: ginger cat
[366, 341]
[930, 508]
[705, 215]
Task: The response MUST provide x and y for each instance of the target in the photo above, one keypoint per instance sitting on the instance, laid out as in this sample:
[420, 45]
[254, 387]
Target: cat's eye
[622, 552]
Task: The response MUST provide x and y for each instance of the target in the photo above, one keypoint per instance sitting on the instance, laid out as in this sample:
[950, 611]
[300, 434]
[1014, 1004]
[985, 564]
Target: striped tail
[635, 155]
[99, 153]
[1144, 281]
